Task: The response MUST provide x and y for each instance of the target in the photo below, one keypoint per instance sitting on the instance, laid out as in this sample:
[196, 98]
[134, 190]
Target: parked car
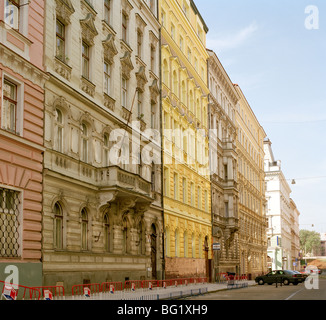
[281, 276]
[305, 275]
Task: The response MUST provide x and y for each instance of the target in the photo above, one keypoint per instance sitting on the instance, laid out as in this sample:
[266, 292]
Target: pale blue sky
[280, 66]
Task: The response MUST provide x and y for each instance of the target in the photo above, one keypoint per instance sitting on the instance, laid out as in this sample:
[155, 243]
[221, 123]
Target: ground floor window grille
[9, 223]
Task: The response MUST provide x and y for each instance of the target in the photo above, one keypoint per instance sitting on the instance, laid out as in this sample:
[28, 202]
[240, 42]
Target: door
[153, 252]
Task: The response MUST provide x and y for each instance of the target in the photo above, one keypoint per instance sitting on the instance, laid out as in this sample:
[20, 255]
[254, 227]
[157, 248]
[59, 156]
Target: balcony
[116, 183]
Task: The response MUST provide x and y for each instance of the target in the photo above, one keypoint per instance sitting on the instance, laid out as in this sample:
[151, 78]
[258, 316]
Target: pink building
[21, 140]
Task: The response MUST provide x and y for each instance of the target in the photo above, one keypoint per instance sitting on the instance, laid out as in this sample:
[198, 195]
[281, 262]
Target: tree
[310, 242]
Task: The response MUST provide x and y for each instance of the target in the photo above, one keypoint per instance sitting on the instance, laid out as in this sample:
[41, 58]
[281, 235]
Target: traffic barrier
[86, 291]
[52, 292]
[18, 292]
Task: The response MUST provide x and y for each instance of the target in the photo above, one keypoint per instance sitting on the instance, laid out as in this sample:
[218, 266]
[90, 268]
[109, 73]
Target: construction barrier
[18, 292]
[85, 291]
[52, 292]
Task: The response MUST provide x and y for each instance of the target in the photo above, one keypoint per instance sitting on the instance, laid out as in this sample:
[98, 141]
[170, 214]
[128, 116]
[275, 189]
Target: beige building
[251, 186]
[102, 197]
[223, 101]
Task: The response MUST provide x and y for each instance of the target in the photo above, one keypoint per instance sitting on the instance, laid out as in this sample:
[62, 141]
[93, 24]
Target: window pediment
[89, 31]
[141, 78]
[126, 64]
[64, 10]
[110, 49]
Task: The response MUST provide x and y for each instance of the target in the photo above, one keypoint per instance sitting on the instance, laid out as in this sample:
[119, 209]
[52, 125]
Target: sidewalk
[169, 293]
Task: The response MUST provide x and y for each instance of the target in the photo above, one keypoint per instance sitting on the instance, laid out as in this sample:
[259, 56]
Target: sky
[270, 50]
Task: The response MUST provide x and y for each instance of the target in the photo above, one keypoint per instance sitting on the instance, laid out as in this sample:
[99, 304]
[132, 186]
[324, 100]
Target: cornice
[19, 65]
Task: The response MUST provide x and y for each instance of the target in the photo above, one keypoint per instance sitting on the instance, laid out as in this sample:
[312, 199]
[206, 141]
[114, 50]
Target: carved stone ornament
[126, 65]
[64, 10]
[89, 31]
[155, 91]
[141, 78]
[109, 47]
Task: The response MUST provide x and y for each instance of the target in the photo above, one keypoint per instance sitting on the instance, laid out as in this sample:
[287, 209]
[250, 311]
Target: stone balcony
[116, 183]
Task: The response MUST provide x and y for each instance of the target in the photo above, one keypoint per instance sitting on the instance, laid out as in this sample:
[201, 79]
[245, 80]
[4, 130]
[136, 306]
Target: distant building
[251, 186]
[282, 215]
[223, 99]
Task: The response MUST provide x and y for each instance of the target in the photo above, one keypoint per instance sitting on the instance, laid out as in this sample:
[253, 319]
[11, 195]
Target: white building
[282, 236]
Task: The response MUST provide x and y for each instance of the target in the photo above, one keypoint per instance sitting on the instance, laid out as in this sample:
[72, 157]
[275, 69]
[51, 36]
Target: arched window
[176, 238]
[185, 244]
[184, 92]
[84, 229]
[58, 226]
[175, 82]
[84, 142]
[106, 233]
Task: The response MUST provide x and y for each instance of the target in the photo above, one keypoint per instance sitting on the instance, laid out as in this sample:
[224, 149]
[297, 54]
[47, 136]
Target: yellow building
[251, 186]
[186, 180]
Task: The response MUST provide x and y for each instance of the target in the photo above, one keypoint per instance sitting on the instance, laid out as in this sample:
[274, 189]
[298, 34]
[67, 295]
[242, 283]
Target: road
[270, 292]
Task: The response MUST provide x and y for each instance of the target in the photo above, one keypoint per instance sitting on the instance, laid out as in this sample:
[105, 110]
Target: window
[84, 142]
[192, 191]
[107, 8]
[153, 115]
[193, 243]
[107, 77]
[181, 43]
[9, 110]
[172, 31]
[206, 201]
[153, 52]
[106, 148]
[124, 92]
[176, 187]
[199, 198]
[140, 104]
[58, 226]
[85, 60]
[185, 244]
[60, 41]
[166, 182]
[9, 223]
[176, 238]
[59, 130]
[12, 13]
[184, 190]
[125, 246]
[139, 43]
[124, 27]
[226, 207]
[163, 18]
[106, 233]
[84, 229]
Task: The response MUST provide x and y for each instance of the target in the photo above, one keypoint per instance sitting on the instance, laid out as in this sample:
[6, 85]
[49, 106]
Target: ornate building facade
[251, 186]
[186, 179]
[223, 101]
[102, 177]
[21, 141]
